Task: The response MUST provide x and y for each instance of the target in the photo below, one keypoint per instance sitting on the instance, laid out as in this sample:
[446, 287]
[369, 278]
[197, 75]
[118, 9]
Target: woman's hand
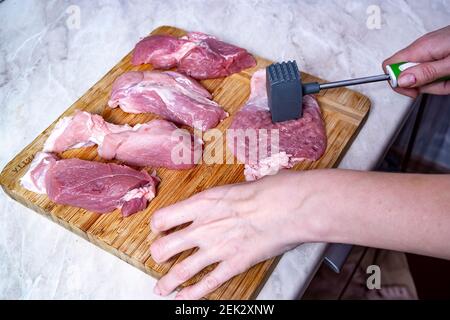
[432, 51]
[235, 226]
[241, 225]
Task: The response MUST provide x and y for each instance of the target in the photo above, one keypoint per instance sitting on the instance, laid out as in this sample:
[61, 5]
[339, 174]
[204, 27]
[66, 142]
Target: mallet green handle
[394, 71]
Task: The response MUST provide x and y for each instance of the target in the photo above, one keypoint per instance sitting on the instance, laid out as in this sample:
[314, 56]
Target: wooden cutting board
[344, 112]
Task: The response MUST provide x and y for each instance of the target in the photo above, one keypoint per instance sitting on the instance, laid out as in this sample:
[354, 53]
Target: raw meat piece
[169, 94]
[34, 178]
[277, 145]
[198, 55]
[81, 130]
[212, 58]
[157, 143]
[94, 186]
[162, 52]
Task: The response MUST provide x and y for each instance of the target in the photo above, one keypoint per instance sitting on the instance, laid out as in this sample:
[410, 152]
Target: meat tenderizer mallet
[285, 89]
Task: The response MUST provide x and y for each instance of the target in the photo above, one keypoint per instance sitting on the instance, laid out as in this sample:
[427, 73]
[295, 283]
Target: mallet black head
[284, 91]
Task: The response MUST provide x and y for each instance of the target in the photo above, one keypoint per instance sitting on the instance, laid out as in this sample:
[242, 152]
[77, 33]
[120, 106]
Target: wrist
[314, 216]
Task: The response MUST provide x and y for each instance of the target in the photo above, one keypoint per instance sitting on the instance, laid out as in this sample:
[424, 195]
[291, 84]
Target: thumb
[424, 73]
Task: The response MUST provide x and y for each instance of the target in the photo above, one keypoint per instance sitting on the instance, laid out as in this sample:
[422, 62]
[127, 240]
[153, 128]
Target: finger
[206, 203]
[172, 244]
[412, 53]
[424, 73]
[430, 47]
[182, 272]
[439, 88]
[396, 58]
[172, 216]
[222, 273]
[176, 214]
[410, 92]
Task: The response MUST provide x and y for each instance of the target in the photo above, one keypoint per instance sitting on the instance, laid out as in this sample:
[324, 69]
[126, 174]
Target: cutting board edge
[355, 134]
[81, 233]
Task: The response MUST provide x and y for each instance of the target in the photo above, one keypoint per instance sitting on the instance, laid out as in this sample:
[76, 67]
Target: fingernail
[156, 290]
[406, 80]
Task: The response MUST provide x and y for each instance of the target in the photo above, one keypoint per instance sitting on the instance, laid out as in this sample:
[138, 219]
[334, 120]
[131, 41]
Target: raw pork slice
[198, 55]
[276, 145]
[81, 130]
[169, 94]
[34, 178]
[157, 143]
[94, 186]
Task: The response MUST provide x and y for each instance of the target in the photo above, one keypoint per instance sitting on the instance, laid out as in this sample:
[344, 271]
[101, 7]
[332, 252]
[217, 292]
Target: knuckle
[422, 41]
[181, 272]
[229, 269]
[216, 193]
[211, 282]
[156, 250]
[233, 249]
[234, 266]
[428, 72]
[202, 199]
[210, 195]
[242, 267]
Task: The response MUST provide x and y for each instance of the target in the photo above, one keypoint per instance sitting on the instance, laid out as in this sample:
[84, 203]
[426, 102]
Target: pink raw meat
[169, 94]
[155, 143]
[198, 55]
[81, 130]
[94, 186]
[162, 52]
[34, 178]
[298, 140]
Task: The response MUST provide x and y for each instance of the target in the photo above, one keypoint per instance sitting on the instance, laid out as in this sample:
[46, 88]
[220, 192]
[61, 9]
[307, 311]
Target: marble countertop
[51, 52]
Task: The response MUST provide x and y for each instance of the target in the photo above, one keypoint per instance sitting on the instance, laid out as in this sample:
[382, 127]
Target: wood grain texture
[344, 112]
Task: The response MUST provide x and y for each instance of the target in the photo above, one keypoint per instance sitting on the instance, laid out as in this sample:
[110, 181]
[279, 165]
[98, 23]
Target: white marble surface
[46, 63]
